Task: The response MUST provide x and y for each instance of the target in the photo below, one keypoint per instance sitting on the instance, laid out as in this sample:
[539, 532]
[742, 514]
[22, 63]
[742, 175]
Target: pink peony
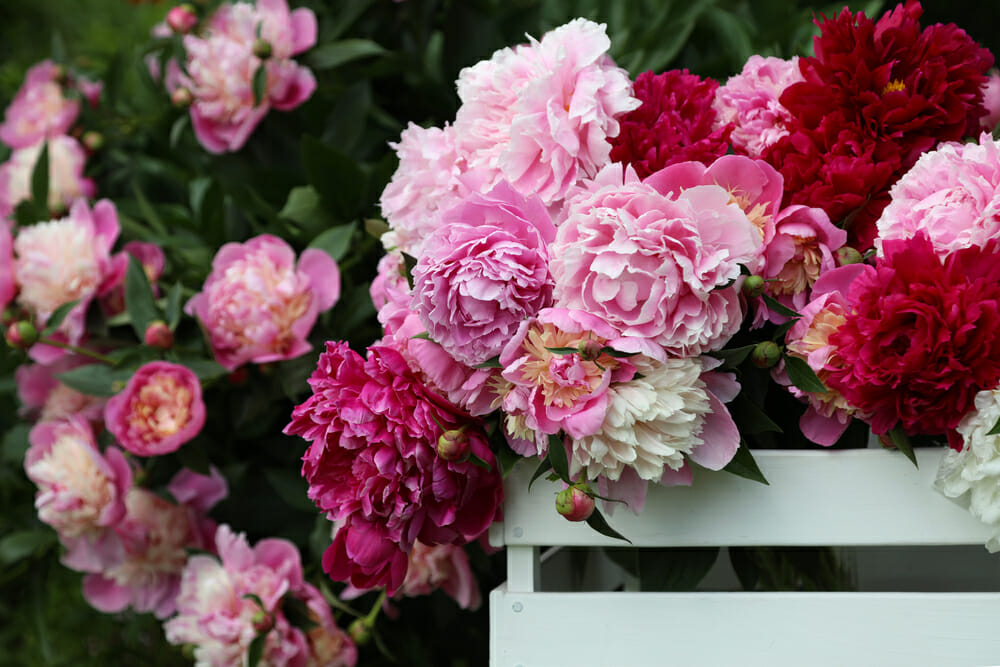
[390, 292]
[257, 305]
[372, 465]
[952, 194]
[45, 398]
[444, 566]
[539, 115]
[483, 271]
[750, 102]
[66, 180]
[158, 410]
[991, 100]
[39, 110]
[149, 255]
[221, 64]
[655, 265]
[8, 284]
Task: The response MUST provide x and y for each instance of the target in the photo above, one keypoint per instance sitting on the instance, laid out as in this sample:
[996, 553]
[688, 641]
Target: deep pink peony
[8, 285]
[158, 410]
[221, 65]
[257, 305]
[66, 180]
[483, 272]
[655, 265]
[372, 465]
[675, 123]
[922, 337]
[40, 109]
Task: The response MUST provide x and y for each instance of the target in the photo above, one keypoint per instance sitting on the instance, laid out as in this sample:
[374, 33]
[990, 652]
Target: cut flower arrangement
[620, 279]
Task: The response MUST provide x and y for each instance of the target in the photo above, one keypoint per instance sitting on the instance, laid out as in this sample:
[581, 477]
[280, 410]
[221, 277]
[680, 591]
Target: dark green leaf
[479, 463]
[506, 457]
[92, 379]
[256, 650]
[612, 352]
[304, 208]
[23, 543]
[336, 241]
[563, 350]
[147, 211]
[259, 84]
[903, 444]
[675, 569]
[490, 363]
[339, 180]
[333, 54]
[173, 309]
[544, 466]
[743, 464]
[177, 130]
[779, 308]
[802, 376]
[290, 487]
[376, 227]
[298, 613]
[750, 418]
[206, 369]
[57, 317]
[193, 457]
[40, 179]
[256, 599]
[995, 430]
[15, 444]
[28, 213]
[557, 457]
[409, 263]
[600, 524]
[733, 357]
[779, 332]
[139, 301]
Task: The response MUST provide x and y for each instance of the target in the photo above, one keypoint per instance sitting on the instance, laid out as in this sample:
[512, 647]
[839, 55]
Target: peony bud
[93, 141]
[181, 98]
[262, 621]
[360, 631]
[159, 335]
[753, 286]
[765, 354]
[453, 445]
[590, 350]
[21, 335]
[575, 503]
[182, 19]
[848, 255]
[10, 315]
[262, 49]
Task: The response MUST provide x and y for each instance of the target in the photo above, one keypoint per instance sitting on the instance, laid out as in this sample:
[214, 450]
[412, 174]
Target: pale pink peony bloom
[221, 64]
[444, 566]
[8, 285]
[952, 194]
[257, 305]
[158, 410]
[750, 101]
[39, 109]
[65, 260]
[539, 115]
[991, 100]
[390, 292]
[483, 272]
[655, 262]
[66, 180]
[44, 398]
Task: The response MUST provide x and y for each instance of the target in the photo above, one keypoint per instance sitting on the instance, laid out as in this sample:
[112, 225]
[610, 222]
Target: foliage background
[313, 177]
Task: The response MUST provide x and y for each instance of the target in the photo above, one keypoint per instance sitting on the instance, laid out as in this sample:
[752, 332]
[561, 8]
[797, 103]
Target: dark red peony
[373, 467]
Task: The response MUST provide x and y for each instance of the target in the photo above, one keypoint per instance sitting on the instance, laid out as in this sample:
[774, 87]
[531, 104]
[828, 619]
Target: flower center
[893, 86]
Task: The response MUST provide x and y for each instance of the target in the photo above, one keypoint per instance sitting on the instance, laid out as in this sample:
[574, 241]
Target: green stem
[376, 608]
[78, 350]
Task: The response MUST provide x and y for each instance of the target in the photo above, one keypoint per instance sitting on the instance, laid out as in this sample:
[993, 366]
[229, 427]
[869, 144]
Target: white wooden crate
[846, 498]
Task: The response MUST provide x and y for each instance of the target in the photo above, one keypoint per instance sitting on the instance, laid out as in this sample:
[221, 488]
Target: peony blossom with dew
[258, 304]
[66, 180]
[159, 409]
[222, 63]
[40, 109]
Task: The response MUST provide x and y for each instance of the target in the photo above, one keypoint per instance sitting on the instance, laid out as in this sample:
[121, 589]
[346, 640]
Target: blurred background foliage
[313, 177]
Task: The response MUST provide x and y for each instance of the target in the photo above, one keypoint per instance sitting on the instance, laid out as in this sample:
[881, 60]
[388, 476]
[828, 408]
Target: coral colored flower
[654, 261]
[750, 101]
[40, 109]
[258, 305]
[675, 123]
[66, 180]
[539, 115]
[158, 410]
[221, 66]
[483, 272]
[372, 465]
[922, 337]
[952, 194]
[45, 398]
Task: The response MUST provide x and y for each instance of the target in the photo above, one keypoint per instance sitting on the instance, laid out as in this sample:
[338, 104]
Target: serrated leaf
[600, 524]
[40, 179]
[778, 307]
[259, 84]
[335, 241]
[802, 376]
[173, 305]
[903, 444]
[744, 465]
[139, 300]
[544, 466]
[57, 317]
[334, 54]
[557, 457]
[92, 379]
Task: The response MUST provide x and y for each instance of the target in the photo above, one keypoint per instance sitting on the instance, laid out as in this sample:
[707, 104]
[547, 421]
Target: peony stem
[78, 350]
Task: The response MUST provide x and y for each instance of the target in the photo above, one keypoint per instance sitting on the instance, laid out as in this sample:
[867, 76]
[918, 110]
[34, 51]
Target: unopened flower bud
[159, 335]
[262, 621]
[590, 350]
[453, 445]
[181, 98]
[21, 335]
[9, 316]
[765, 354]
[575, 503]
[360, 632]
[262, 48]
[848, 255]
[93, 141]
[753, 286]
[182, 19]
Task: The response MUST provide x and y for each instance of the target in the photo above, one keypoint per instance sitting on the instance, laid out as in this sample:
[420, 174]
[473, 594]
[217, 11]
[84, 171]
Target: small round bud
[575, 503]
[187, 650]
[360, 631]
[453, 445]
[159, 335]
[181, 98]
[262, 48]
[753, 286]
[21, 335]
[848, 255]
[590, 350]
[182, 19]
[93, 141]
[262, 621]
[765, 354]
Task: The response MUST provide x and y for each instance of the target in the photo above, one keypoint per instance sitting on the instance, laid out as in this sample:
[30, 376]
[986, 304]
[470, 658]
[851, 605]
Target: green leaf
[206, 369]
[23, 543]
[995, 430]
[334, 54]
[617, 354]
[750, 418]
[177, 130]
[139, 300]
[304, 208]
[339, 180]
[147, 211]
[193, 457]
[57, 317]
[903, 444]
[173, 306]
[15, 444]
[297, 613]
[779, 332]
[335, 241]
[490, 363]
[506, 457]
[779, 308]
[92, 379]
[376, 227]
[733, 357]
[40, 179]
[557, 457]
[802, 376]
[259, 84]
[544, 466]
[409, 262]
[256, 650]
[423, 335]
[563, 350]
[600, 524]
[290, 487]
[743, 464]
[256, 599]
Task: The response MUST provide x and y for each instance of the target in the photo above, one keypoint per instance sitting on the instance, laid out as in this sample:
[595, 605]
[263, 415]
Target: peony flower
[66, 180]
[390, 292]
[44, 398]
[152, 260]
[750, 102]
[444, 566]
[952, 194]
[675, 123]
[257, 305]
[158, 410]
[921, 337]
[222, 64]
[972, 475]
[655, 266]
[539, 115]
[482, 272]
[8, 282]
[40, 110]
[372, 466]
[991, 101]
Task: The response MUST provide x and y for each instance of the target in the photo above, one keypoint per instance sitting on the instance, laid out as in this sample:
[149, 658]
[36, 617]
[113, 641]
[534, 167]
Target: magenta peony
[40, 110]
[66, 180]
[372, 465]
[257, 305]
[8, 283]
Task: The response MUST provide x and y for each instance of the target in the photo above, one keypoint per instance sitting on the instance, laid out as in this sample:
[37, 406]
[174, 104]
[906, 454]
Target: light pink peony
[39, 109]
[483, 272]
[750, 101]
[221, 64]
[655, 266]
[158, 410]
[539, 115]
[991, 100]
[66, 180]
[952, 194]
[257, 305]
[44, 398]
[8, 285]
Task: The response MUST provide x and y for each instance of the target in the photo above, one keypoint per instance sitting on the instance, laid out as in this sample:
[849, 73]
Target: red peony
[921, 337]
[373, 467]
[673, 124]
